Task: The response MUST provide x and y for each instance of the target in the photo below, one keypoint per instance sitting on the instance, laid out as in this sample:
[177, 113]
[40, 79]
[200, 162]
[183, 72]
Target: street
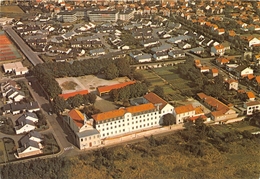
[27, 51]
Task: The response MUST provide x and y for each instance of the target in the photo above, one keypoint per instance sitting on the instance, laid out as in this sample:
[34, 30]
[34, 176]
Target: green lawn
[10, 148]
[3, 156]
[173, 83]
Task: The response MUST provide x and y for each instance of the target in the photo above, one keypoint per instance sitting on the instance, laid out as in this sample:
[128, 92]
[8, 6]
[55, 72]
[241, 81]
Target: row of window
[90, 138]
[127, 123]
[133, 128]
[118, 118]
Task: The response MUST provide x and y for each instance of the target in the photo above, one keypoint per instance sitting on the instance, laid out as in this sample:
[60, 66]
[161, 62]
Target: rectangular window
[123, 130]
[103, 135]
[81, 140]
[140, 126]
[89, 138]
[133, 128]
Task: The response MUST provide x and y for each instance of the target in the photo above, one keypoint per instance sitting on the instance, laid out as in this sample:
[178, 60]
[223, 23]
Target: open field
[89, 82]
[168, 79]
[11, 9]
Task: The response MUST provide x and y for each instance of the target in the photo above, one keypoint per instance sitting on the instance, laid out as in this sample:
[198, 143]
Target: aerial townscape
[129, 89]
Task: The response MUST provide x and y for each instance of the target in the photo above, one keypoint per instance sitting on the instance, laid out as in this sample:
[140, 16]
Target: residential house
[256, 82]
[231, 84]
[217, 50]
[176, 53]
[250, 96]
[184, 45]
[16, 67]
[150, 42]
[99, 51]
[143, 58]
[135, 53]
[243, 71]
[182, 113]
[84, 134]
[222, 61]
[197, 50]
[220, 111]
[252, 107]
[257, 59]
[17, 108]
[162, 48]
[26, 123]
[160, 56]
[29, 148]
[214, 72]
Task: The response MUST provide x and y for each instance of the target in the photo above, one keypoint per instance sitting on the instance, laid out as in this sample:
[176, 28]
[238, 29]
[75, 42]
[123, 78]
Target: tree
[111, 71]
[168, 119]
[159, 91]
[92, 98]
[59, 104]
[123, 67]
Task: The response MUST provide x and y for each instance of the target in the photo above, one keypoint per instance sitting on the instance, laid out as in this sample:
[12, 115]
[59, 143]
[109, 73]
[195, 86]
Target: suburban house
[222, 61]
[30, 145]
[106, 89]
[214, 72]
[217, 50]
[85, 136]
[251, 107]
[176, 53]
[16, 67]
[26, 123]
[182, 113]
[243, 71]
[149, 42]
[160, 56]
[250, 96]
[144, 58]
[197, 50]
[17, 108]
[99, 51]
[220, 111]
[231, 84]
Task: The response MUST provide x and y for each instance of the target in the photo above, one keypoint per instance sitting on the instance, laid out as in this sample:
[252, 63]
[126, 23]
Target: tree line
[47, 72]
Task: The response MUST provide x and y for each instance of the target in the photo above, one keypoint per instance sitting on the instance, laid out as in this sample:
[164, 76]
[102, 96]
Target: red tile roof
[184, 109]
[155, 99]
[213, 102]
[105, 89]
[120, 112]
[77, 117]
[67, 95]
[257, 78]
[250, 94]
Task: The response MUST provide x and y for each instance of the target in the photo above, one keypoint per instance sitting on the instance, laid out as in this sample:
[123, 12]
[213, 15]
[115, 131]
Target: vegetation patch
[6, 126]
[69, 85]
[50, 144]
[2, 152]
[11, 9]
[10, 148]
[200, 151]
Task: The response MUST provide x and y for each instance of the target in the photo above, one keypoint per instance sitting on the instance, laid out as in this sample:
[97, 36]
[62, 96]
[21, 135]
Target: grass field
[11, 9]
[168, 79]
[2, 152]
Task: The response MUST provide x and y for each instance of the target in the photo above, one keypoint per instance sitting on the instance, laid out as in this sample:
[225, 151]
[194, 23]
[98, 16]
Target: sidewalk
[142, 134]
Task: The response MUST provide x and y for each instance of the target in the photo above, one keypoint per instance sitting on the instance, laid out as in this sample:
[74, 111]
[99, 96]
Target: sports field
[168, 79]
[11, 9]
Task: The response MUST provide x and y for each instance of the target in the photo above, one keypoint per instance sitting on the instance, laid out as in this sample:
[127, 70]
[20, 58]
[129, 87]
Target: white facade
[183, 112]
[254, 41]
[247, 71]
[24, 129]
[128, 122]
[252, 107]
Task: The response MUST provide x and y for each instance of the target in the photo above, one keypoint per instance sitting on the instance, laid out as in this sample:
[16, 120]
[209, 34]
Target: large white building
[85, 135]
[147, 113]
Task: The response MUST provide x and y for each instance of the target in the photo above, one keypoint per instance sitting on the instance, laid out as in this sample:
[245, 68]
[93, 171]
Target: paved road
[52, 120]
[27, 51]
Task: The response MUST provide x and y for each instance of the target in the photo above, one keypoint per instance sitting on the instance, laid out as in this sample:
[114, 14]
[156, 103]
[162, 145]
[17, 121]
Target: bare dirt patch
[88, 82]
[69, 85]
[11, 9]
